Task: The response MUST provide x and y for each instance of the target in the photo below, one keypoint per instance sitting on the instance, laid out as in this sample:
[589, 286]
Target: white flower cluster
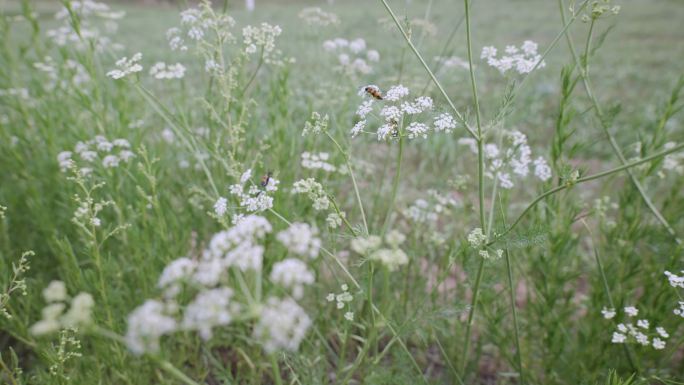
[281, 323]
[343, 299]
[88, 34]
[261, 40]
[70, 74]
[53, 315]
[521, 59]
[319, 198]
[453, 62]
[162, 70]
[197, 24]
[293, 274]
[395, 107]
[676, 281]
[256, 198]
[504, 164]
[314, 16]
[314, 192]
[301, 239]
[317, 161]
[126, 67]
[477, 239]
[429, 209]
[640, 334]
[390, 256]
[110, 154]
[352, 56]
[316, 124]
[21, 93]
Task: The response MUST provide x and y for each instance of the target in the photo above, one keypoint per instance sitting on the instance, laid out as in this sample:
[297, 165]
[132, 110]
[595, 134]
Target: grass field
[308, 204]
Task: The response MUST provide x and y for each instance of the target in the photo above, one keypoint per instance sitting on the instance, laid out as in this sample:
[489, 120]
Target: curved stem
[582, 180]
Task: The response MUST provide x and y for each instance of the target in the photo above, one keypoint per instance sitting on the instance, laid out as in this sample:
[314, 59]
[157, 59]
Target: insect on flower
[266, 178]
[372, 90]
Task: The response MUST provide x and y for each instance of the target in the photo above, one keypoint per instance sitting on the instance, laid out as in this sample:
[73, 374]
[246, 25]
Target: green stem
[276, 370]
[582, 180]
[395, 185]
[471, 315]
[347, 162]
[480, 186]
[514, 312]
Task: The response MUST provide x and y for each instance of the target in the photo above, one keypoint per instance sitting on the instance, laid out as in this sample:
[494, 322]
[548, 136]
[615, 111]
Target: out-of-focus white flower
[126, 67]
[293, 274]
[522, 60]
[282, 325]
[146, 324]
[301, 239]
[209, 309]
[608, 313]
[162, 70]
[55, 292]
[631, 311]
[221, 206]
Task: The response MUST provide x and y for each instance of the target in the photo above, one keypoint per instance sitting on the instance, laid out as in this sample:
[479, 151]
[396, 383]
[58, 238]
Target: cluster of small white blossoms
[197, 24]
[314, 16]
[261, 41]
[677, 281]
[316, 124]
[522, 60]
[599, 8]
[352, 56]
[428, 210]
[53, 315]
[641, 334]
[71, 73]
[126, 67]
[319, 198]
[110, 154]
[343, 299]
[280, 323]
[503, 164]
[89, 14]
[255, 198]
[477, 239]
[162, 70]
[17, 282]
[391, 256]
[301, 239]
[317, 161]
[452, 62]
[395, 107]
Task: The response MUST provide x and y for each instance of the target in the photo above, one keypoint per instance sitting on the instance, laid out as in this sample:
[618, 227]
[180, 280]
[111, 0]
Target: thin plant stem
[584, 74]
[347, 162]
[276, 370]
[569, 184]
[395, 184]
[514, 311]
[480, 187]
